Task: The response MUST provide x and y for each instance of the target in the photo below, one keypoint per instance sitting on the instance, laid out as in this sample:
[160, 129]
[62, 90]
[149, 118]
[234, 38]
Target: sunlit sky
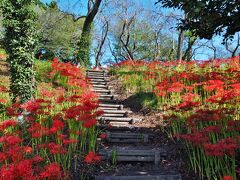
[73, 5]
[78, 7]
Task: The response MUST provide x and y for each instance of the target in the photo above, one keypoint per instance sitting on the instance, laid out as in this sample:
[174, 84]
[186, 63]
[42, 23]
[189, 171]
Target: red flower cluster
[92, 157]
[226, 146]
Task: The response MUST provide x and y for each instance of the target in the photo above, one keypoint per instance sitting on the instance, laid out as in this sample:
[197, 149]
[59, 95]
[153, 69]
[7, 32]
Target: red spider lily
[52, 171]
[7, 123]
[92, 157]
[69, 141]
[205, 116]
[13, 110]
[56, 148]
[226, 146]
[57, 125]
[3, 89]
[188, 104]
[227, 178]
[60, 99]
[3, 101]
[30, 118]
[3, 157]
[197, 139]
[233, 125]
[31, 106]
[103, 136]
[213, 85]
[90, 123]
[212, 129]
[10, 140]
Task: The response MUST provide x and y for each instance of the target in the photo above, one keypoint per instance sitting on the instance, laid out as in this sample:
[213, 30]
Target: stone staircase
[125, 144]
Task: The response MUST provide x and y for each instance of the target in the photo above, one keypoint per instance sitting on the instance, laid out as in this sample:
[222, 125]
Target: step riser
[105, 108]
[99, 80]
[133, 155]
[111, 105]
[126, 141]
[140, 177]
[101, 91]
[99, 83]
[98, 77]
[113, 115]
[95, 74]
[101, 86]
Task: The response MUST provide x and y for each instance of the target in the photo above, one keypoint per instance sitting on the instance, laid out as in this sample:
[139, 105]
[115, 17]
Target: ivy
[20, 39]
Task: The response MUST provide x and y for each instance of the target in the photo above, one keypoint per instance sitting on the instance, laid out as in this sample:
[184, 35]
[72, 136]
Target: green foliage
[58, 32]
[148, 99]
[19, 22]
[206, 18]
[1, 30]
[84, 49]
[144, 42]
[43, 68]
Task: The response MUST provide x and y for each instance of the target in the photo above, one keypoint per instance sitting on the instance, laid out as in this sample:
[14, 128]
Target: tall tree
[208, 17]
[84, 44]
[100, 39]
[20, 26]
[58, 31]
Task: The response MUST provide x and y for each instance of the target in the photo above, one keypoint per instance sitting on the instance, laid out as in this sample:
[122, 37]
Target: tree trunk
[188, 53]
[19, 41]
[180, 45]
[104, 36]
[85, 41]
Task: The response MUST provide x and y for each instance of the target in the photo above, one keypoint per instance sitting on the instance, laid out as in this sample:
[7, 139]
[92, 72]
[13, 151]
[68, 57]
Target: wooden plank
[115, 119]
[109, 105]
[117, 111]
[99, 80]
[107, 108]
[128, 155]
[107, 95]
[112, 115]
[99, 83]
[126, 135]
[102, 90]
[141, 177]
[98, 77]
[119, 140]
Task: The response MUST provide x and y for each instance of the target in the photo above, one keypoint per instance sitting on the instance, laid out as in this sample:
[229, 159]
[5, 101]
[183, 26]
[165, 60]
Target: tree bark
[180, 45]
[104, 35]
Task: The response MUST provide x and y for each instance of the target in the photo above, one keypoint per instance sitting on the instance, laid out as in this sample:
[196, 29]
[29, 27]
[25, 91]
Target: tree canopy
[58, 32]
[206, 17]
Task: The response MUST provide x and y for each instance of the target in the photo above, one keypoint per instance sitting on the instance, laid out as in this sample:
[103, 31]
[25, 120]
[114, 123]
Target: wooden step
[143, 175]
[101, 90]
[99, 83]
[98, 75]
[110, 101]
[117, 112]
[99, 80]
[101, 86]
[132, 155]
[118, 119]
[95, 70]
[112, 115]
[108, 108]
[127, 137]
[118, 106]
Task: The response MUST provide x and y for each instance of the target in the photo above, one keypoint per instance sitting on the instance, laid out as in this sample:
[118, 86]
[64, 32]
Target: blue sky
[73, 5]
[78, 7]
